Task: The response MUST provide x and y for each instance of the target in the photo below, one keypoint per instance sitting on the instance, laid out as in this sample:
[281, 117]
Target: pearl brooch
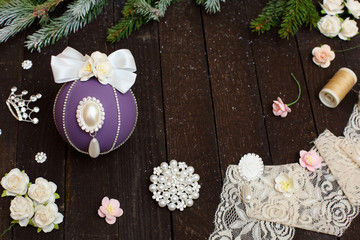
[90, 116]
[40, 157]
[26, 64]
[251, 167]
[174, 185]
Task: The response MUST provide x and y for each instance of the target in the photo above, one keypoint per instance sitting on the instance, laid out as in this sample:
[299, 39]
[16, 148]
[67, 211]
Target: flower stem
[347, 49]
[297, 82]
[8, 229]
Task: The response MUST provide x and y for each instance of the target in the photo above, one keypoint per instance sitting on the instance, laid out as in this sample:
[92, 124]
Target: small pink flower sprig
[280, 108]
[310, 160]
[110, 210]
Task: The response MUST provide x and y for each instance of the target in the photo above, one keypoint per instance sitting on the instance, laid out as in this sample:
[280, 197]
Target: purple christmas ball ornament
[94, 118]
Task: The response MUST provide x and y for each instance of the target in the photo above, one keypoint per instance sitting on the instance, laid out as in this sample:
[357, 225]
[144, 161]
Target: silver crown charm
[19, 107]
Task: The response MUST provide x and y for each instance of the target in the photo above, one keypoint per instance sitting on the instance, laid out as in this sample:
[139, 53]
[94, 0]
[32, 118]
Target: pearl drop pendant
[90, 116]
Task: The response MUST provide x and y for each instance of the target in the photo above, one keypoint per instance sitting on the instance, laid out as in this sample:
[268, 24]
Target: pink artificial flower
[311, 160]
[280, 108]
[323, 55]
[110, 209]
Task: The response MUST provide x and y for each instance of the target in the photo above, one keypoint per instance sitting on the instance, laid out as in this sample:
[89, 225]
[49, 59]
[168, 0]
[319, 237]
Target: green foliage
[57, 196]
[78, 14]
[138, 12]
[56, 226]
[288, 15]
[4, 194]
[17, 15]
[39, 230]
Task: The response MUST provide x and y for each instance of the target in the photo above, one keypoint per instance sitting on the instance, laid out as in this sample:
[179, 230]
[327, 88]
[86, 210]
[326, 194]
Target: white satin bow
[66, 66]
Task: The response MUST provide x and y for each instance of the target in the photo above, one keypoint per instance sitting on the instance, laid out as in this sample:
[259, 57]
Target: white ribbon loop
[66, 67]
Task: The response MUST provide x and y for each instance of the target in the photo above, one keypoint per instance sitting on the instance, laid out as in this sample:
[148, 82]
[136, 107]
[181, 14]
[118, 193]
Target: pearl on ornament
[189, 180]
[189, 202]
[195, 177]
[153, 178]
[161, 187]
[162, 179]
[181, 188]
[183, 196]
[152, 188]
[174, 198]
[164, 165]
[166, 195]
[195, 195]
[91, 114]
[162, 203]
[171, 207]
[173, 163]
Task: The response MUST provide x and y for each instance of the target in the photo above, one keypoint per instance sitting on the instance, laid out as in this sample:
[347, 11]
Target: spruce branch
[78, 14]
[294, 16]
[269, 17]
[212, 6]
[124, 28]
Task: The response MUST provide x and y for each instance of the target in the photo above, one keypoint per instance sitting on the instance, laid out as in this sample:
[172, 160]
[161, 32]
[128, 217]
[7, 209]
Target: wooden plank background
[204, 89]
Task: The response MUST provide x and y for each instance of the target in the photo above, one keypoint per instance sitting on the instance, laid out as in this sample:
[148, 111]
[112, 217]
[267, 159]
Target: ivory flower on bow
[96, 65]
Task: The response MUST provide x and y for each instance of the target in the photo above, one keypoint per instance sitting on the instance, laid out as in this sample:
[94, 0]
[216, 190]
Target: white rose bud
[21, 209]
[354, 8]
[85, 72]
[348, 29]
[15, 182]
[103, 70]
[99, 57]
[333, 7]
[46, 216]
[42, 191]
[329, 25]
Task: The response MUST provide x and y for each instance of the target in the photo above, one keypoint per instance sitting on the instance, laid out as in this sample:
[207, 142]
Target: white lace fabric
[337, 152]
[318, 204]
[231, 221]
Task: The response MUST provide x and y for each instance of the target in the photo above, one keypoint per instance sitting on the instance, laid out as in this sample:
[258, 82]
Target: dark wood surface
[204, 89]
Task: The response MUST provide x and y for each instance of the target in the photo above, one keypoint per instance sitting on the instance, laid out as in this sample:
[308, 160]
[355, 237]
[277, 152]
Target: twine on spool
[337, 88]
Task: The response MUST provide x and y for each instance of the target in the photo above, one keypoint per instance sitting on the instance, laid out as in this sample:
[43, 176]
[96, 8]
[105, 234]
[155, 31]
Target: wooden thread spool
[337, 88]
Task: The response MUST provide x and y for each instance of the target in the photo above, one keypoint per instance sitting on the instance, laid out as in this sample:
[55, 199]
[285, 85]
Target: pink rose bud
[323, 55]
[280, 108]
[311, 160]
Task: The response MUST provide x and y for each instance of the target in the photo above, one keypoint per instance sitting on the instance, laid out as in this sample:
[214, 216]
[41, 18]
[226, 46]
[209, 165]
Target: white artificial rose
[22, 209]
[86, 71]
[46, 216]
[42, 191]
[348, 29]
[354, 8]
[15, 182]
[333, 7]
[329, 25]
[103, 70]
[99, 57]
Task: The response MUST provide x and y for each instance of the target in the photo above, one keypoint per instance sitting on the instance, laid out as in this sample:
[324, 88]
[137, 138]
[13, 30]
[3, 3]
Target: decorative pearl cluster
[174, 185]
[26, 64]
[40, 157]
